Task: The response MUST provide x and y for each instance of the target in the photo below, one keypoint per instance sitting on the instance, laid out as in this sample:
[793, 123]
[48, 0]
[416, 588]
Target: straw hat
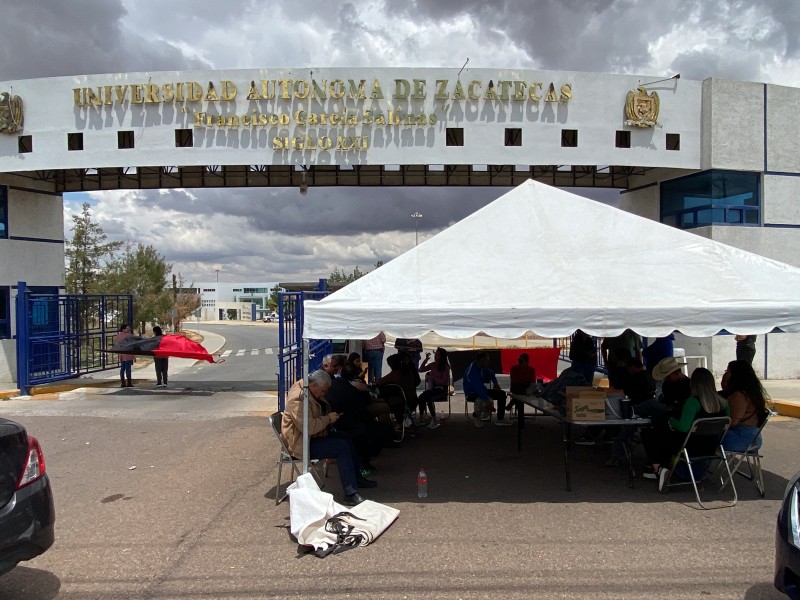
[666, 366]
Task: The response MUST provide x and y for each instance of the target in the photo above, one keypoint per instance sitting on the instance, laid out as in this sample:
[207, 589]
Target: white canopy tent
[543, 260]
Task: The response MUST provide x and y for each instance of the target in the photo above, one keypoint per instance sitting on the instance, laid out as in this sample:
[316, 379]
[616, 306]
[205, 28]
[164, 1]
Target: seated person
[350, 400]
[661, 443]
[641, 389]
[522, 375]
[437, 383]
[748, 402]
[354, 358]
[411, 345]
[332, 365]
[618, 368]
[323, 442]
[476, 376]
[401, 375]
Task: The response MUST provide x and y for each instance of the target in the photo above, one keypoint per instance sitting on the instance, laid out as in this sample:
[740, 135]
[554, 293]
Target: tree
[186, 301]
[86, 254]
[339, 276]
[272, 301]
[142, 272]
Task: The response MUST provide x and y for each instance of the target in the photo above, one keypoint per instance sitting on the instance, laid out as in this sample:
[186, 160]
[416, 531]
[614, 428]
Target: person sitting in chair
[522, 375]
[324, 442]
[437, 383]
[476, 376]
[747, 399]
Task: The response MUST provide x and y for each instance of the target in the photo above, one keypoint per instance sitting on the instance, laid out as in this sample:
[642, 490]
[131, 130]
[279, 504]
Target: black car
[787, 542]
[27, 514]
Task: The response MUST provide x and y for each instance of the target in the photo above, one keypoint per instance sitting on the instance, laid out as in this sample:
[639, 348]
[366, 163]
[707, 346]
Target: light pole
[217, 270]
[416, 215]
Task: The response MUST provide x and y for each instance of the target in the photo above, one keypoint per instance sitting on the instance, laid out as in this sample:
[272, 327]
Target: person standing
[746, 348]
[583, 354]
[373, 355]
[125, 360]
[161, 363]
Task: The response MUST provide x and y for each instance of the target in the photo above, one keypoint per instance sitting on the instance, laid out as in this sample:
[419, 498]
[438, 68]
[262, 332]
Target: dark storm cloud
[42, 38]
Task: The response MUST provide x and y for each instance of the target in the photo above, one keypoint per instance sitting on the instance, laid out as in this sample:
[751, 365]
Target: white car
[270, 318]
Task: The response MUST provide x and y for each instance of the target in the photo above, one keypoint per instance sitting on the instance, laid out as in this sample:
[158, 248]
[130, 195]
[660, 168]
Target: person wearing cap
[676, 387]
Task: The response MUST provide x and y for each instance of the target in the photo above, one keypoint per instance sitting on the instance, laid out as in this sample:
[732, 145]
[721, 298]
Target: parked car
[270, 317]
[27, 513]
[787, 542]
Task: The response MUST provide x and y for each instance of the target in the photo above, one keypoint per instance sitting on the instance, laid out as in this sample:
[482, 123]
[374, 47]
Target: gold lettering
[377, 92]
[535, 85]
[337, 89]
[246, 120]
[121, 92]
[344, 143]
[418, 89]
[107, 98]
[300, 117]
[566, 92]
[284, 119]
[352, 120]
[441, 90]
[325, 143]
[551, 94]
[401, 89]
[278, 143]
[199, 118]
[151, 93]
[459, 94]
[519, 90]
[195, 92]
[491, 93]
[472, 90]
[262, 119]
[318, 92]
[211, 93]
[366, 117]
[233, 121]
[77, 96]
[285, 88]
[179, 97]
[91, 97]
[432, 119]
[422, 119]
[220, 121]
[167, 92]
[229, 90]
[357, 92]
[252, 93]
[380, 119]
[301, 89]
[273, 119]
[266, 94]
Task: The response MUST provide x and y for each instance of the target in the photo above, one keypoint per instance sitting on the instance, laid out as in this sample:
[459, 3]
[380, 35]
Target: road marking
[226, 353]
[268, 351]
[240, 353]
[254, 352]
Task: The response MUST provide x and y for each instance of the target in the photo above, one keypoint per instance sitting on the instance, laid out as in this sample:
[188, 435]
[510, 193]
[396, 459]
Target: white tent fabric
[543, 260]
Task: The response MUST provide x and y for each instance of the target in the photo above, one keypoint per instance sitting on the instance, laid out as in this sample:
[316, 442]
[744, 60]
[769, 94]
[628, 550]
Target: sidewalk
[144, 372]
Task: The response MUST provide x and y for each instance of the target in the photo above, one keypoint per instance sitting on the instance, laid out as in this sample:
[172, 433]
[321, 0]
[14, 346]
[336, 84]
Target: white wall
[733, 125]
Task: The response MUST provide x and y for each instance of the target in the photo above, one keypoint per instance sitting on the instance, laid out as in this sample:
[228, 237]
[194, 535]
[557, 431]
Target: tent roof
[544, 260]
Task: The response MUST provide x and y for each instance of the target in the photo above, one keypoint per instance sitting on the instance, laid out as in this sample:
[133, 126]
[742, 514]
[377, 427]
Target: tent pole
[305, 405]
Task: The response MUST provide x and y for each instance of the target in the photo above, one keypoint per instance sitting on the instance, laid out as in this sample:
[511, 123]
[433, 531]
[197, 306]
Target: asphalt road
[169, 496]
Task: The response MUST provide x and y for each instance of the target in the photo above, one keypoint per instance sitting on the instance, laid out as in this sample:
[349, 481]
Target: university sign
[336, 103]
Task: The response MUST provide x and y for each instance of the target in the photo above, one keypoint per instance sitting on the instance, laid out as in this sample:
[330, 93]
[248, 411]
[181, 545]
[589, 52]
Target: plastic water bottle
[422, 483]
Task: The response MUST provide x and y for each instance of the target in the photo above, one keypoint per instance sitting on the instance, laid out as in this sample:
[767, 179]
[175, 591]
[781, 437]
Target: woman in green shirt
[662, 443]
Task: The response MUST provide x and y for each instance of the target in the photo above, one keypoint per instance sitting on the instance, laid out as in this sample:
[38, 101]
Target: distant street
[251, 360]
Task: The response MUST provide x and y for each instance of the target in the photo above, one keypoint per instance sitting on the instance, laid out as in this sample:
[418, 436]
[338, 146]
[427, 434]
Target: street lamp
[217, 270]
[416, 216]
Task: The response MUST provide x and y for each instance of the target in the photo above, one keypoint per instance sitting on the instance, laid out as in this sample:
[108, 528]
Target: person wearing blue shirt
[477, 375]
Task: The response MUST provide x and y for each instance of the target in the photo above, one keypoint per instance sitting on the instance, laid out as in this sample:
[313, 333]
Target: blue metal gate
[290, 340]
[62, 336]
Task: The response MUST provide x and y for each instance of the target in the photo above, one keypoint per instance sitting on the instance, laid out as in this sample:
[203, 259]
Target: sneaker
[585, 440]
[503, 423]
[486, 417]
[649, 473]
[477, 421]
[433, 424]
[663, 475]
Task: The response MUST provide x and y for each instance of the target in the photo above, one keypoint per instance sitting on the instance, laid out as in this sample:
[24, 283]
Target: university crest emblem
[641, 108]
[11, 115]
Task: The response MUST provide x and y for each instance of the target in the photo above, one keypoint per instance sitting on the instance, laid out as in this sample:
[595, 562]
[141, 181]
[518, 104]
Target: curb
[786, 409]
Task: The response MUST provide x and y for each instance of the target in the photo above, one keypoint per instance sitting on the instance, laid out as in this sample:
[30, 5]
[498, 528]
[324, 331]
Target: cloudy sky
[276, 235]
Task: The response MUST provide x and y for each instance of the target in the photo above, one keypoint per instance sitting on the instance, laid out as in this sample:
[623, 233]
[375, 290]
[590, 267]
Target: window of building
[673, 141]
[3, 212]
[24, 144]
[713, 197]
[124, 140]
[513, 136]
[569, 138]
[5, 312]
[74, 141]
[623, 139]
[184, 138]
[455, 136]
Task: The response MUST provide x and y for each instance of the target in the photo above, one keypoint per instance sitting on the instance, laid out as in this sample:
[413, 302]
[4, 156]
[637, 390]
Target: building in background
[221, 300]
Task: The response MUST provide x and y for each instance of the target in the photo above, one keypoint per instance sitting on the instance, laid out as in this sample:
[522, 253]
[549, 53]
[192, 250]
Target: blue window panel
[3, 212]
[713, 197]
[5, 312]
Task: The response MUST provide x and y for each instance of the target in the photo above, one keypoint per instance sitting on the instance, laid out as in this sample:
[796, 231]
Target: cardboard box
[588, 405]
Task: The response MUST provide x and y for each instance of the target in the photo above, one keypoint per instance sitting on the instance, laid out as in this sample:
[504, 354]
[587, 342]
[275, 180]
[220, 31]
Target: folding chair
[394, 389]
[447, 396]
[286, 458]
[751, 456]
[701, 446]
